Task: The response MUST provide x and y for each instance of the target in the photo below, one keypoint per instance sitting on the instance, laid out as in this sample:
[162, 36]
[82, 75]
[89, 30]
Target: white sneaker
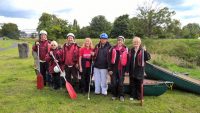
[131, 99]
[121, 98]
[113, 98]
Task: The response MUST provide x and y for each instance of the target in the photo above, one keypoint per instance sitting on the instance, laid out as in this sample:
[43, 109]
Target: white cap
[43, 32]
[71, 34]
[121, 37]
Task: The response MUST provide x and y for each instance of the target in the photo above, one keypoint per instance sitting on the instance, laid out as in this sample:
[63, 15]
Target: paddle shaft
[58, 65]
[38, 57]
[90, 81]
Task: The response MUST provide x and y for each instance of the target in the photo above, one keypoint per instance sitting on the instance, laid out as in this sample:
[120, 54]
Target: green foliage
[191, 30]
[122, 26]
[84, 32]
[151, 18]
[10, 30]
[56, 27]
[98, 25]
[1, 33]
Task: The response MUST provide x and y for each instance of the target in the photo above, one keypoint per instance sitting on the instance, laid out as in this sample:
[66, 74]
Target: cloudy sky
[25, 13]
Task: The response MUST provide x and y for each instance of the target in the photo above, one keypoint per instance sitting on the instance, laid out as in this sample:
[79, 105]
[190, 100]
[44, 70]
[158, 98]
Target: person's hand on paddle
[92, 53]
[76, 65]
[126, 74]
[51, 52]
[37, 43]
[81, 70]
[110, 72]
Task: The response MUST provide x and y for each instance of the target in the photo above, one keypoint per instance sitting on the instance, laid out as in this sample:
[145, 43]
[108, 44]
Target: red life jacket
[70, 54]
[123, 52]
[44, 48]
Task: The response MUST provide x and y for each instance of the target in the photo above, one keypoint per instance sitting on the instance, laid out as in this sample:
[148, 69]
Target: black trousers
[135, 87]
[44, 71]
[117, 84]
[85, 79]
[72, 76]
[56, 80]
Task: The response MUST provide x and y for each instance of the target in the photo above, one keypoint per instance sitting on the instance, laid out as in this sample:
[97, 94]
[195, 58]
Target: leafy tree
[98, 25]
[56, 27]
[151, 17]
[1, 33]
[191, 30]
[171, 30]
[122, 26]
[10, 30]
[74, 28]
[84, 32]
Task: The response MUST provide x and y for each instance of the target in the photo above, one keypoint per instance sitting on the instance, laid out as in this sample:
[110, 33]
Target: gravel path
[14, 45]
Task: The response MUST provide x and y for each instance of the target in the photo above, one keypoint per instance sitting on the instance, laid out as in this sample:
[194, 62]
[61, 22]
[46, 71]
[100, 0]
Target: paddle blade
[40, 81]
[71, 90]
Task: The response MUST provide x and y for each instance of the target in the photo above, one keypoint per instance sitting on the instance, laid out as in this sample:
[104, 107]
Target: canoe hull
[180, 81]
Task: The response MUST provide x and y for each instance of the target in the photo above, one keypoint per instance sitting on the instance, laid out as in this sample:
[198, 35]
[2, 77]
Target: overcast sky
[25, 13]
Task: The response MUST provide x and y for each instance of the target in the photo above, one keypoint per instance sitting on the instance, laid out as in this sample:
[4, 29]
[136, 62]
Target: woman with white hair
[53, 69]
[137, 58]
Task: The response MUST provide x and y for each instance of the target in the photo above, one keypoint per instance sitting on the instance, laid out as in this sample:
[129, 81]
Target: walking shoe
[113, 98]
[131, 99]
[121, 98]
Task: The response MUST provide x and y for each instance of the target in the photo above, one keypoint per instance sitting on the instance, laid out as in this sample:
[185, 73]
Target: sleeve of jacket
[109, 56]
[147, 56]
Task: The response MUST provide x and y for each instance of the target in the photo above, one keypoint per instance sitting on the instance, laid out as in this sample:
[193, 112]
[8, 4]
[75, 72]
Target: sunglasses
[53, 45]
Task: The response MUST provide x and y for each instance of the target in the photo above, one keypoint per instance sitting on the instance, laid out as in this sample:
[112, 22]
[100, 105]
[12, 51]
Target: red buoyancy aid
[123, 55]
[124, 58]
[70, 54]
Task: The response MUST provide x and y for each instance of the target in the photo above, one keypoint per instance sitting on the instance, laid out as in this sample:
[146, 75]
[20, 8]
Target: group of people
[80, 63]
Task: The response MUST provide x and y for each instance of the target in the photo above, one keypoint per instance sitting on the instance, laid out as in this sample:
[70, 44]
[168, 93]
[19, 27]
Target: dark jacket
[136, 65]
[101, 59]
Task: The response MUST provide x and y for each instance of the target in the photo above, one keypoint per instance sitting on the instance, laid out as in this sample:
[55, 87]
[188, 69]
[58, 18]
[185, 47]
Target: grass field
[18, 94]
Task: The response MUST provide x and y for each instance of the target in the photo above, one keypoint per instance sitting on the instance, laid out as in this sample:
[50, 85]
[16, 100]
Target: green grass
[18, 94]
[6, 43]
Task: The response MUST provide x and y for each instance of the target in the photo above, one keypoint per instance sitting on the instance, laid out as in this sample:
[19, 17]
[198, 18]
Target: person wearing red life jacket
[101, 64]
[70, 59]
[44, 47]
[53, 69]
[137, 58]
[119, 56]
[85, 62]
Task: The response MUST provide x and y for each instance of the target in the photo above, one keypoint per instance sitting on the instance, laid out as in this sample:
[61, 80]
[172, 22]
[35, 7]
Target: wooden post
[23, 49]
[142, 94]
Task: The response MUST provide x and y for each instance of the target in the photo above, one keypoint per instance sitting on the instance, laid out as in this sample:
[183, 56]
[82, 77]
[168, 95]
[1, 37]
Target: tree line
[149, 22]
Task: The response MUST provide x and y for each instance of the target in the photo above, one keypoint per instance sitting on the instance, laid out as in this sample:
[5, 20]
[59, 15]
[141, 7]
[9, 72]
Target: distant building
[23, 34]
[31, 33]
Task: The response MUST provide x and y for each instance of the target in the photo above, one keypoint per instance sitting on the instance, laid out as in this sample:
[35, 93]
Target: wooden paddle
[40, 80]
[142, 93]
[69, 87]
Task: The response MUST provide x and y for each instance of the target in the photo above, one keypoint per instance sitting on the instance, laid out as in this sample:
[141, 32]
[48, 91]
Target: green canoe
[151, 87]
[180, 81]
